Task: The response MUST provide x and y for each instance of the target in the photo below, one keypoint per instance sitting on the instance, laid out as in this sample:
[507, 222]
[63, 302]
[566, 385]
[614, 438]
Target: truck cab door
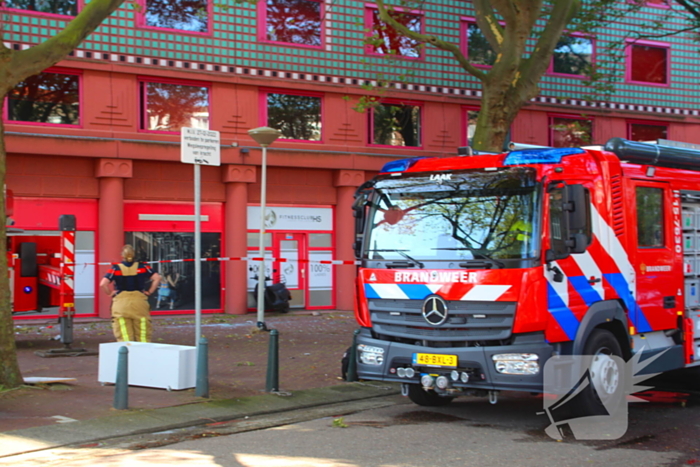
[658, 266]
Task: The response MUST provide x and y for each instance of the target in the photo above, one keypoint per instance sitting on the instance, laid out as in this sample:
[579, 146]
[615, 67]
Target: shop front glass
[176, 290]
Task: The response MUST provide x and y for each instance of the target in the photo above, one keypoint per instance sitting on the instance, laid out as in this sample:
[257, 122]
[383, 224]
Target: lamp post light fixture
[264, 136]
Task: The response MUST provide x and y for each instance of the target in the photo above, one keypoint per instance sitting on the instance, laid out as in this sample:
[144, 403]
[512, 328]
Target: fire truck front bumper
[515, 367]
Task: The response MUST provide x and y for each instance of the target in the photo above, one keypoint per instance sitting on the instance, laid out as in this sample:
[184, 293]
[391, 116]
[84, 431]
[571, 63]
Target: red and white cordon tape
[241, 258]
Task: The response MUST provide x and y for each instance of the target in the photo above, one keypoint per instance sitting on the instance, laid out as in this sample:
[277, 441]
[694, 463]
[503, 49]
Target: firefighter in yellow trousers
[131, 312]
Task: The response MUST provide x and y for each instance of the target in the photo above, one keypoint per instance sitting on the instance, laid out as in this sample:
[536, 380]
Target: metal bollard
[272, 381]
[202, 388]
[352, 359]
[121, 386]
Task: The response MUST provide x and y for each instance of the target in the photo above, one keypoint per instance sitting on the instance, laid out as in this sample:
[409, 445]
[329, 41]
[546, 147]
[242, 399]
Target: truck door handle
[594, 280]
[670, 302]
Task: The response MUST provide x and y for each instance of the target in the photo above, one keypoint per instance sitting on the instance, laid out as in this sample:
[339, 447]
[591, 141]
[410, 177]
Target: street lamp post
[264, 136]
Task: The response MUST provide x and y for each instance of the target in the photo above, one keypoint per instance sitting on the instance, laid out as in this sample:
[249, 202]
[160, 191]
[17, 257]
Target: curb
[135, 422]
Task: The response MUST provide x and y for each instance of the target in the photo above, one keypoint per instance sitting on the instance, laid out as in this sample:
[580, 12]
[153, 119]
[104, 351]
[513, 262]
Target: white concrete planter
[152, 365]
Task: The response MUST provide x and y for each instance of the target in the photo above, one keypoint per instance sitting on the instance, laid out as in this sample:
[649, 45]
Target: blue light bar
[540, 156]
[400, 165]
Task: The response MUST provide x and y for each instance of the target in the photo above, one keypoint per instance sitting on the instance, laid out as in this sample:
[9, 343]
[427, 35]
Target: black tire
[607, 377]
[429, 398]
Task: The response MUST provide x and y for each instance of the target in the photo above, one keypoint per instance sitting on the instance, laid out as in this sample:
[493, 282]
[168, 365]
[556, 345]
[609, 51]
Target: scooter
[276, 295]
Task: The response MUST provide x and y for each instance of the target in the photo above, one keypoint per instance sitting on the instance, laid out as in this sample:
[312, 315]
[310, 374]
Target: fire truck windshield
[472, 217]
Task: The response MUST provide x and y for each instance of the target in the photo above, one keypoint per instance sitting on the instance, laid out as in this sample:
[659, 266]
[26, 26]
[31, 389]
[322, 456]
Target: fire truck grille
[466, 321]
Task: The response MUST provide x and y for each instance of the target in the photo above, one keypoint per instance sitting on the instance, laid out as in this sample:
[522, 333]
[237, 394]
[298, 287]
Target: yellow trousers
[131, 317]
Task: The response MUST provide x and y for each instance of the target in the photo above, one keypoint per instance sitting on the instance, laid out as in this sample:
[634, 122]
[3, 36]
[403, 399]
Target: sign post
[199, 147]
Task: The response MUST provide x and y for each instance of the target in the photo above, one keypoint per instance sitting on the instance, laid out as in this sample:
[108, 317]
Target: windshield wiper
[402, 264]
[483, 258]
[480, 261]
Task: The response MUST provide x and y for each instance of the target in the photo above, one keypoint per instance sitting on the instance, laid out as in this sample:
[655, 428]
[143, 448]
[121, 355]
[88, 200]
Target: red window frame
[631, 123]
[143, 105]
[79, 6]
[262, 26]
[464, 42]
[263, 112]
[397, 102]
[552, 131]
[141, 21]
[56, 70]
[465, 123]
[629, 62]
[371, 13]
[550, 70]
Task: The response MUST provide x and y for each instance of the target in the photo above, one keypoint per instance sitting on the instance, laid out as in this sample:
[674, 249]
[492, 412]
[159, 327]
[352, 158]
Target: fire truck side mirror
[575, 204]
[578, 215]
[357, 246]
[359, 208]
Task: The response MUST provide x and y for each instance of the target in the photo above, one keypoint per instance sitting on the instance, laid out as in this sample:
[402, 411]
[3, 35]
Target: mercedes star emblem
[435, 310]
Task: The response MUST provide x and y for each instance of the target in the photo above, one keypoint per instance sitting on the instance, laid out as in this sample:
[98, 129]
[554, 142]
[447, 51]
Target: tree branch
[386, 17]
[691, 7]
[562, 13]
[488, 24]
[35, 59]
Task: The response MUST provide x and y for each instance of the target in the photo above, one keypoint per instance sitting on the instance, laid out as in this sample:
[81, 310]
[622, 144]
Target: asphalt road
[391, 431]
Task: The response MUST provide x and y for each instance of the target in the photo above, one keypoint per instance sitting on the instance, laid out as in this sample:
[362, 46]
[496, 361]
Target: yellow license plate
[437, 360]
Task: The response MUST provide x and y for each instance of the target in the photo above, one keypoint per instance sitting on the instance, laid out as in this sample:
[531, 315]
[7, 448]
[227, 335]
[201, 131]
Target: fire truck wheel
[607, 376]
[429, 398]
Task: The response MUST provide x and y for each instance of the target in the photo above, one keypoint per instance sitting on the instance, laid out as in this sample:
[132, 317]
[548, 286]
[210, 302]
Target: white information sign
[320, 275]
[199, 146]
[291, 218]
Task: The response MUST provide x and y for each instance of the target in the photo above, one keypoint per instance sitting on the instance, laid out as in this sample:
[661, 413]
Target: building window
[655, 3]
[573, 56]
[650, 232]
[297, 116]
[169, 106]
[178, 294]
[646, 132]
[56, 7]
[647, 63]
[292, 21]
[396, 124]
[183, 15]
[479, 50]
[384, 40]
[569, 132]
[470, 118]
[47, 97]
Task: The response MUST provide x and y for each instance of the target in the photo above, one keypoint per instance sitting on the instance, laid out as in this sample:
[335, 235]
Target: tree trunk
[15, 66]
[10, 375]
[500, 104]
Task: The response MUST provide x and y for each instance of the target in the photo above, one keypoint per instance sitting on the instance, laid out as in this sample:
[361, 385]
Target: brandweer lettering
[442, 276]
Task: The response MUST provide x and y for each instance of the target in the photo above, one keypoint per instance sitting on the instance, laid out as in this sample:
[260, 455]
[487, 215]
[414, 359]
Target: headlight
[517, 363]
[370, 355]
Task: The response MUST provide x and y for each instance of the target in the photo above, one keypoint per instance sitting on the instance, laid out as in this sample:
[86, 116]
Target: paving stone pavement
[310, 348]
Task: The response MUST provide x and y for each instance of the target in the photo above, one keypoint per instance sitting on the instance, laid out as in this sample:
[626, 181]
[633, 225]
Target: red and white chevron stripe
[67, 289]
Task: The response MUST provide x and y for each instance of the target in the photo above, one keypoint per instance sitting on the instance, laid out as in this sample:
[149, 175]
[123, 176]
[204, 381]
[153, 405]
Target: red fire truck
[476, 270]
[33, 263]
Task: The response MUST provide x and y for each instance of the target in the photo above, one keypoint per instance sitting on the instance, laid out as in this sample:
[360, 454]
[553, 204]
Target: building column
[110, 228]
[346, 182]
[236, 178]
